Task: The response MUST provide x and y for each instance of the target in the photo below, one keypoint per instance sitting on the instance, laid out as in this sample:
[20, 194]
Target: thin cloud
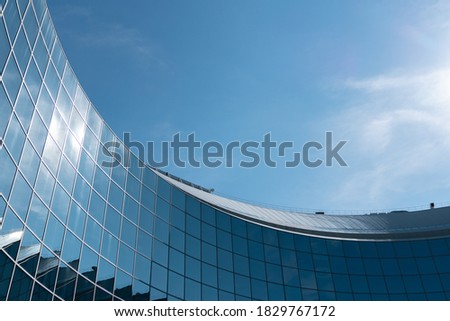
[400, 136]
[95, 32]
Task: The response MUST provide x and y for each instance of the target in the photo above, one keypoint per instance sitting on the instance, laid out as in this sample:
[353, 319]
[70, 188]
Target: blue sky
[374, 73]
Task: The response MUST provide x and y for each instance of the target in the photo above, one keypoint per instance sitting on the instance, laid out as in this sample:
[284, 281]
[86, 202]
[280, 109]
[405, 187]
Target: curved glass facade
[72, 229]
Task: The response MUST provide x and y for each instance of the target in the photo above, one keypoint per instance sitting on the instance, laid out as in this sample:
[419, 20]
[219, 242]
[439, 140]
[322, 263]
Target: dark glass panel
[162, 209]
[163, 189]
[88, 264]
[209, 274]
[84, 290]
[223, 221]
[176, 261]
[93, 234]
[149, 179]
[146, 220]
[40, 293]
[225, 259]
[161, 230]
[97, 207]
[224, 240]
[239, 227]
[193, 226]
[209, 293]
[126, 258]
[290, 277]
[128, 234]
[226, 280]
[145, 242]
[192, 290]
[193, 268]
[105, 275]
[274, 273]
[71, 250]
[177, 218]
[160, 252]
[65, 285]
[178, 198]
[242, 285]
[241, 264]
[148, 199]
[142, 268]
[20, 287]
[54, 234]
[193, 207]
[257, 269]
[123, 285]
[48, 266]
[131, 209]
[113, 220]
[140, 291]
[256, 250]
[133, 187]
[115, 196]
[270, 237]
[159, 277]
[209, 235]
[286, 240]
[176, 285]
[240, 245]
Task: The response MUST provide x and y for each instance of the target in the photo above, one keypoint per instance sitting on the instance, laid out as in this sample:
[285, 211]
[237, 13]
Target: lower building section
[72, 227]
[190, 251]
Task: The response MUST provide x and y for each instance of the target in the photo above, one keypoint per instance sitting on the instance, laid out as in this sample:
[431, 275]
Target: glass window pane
[15, 138]
[88, 263]
[159, 277]
[131, 209]
[93, 234]
[126, 258]
[44, 184]
[113, 219]
[101, 182]
[66, 174]
[142, 268]
[115, 196]
[54, 234]
[148, 199]
[24, 108]
[149, 179]
[77, 218]
[82, 192]
[20, 196]
[144, 243]
[37, 133]
[97, 207]
[128, 234]
[160, 252]
[146, 220]
[71, 250]
[11, 79]
[29, 163]
[109, 247]
[37, 217]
